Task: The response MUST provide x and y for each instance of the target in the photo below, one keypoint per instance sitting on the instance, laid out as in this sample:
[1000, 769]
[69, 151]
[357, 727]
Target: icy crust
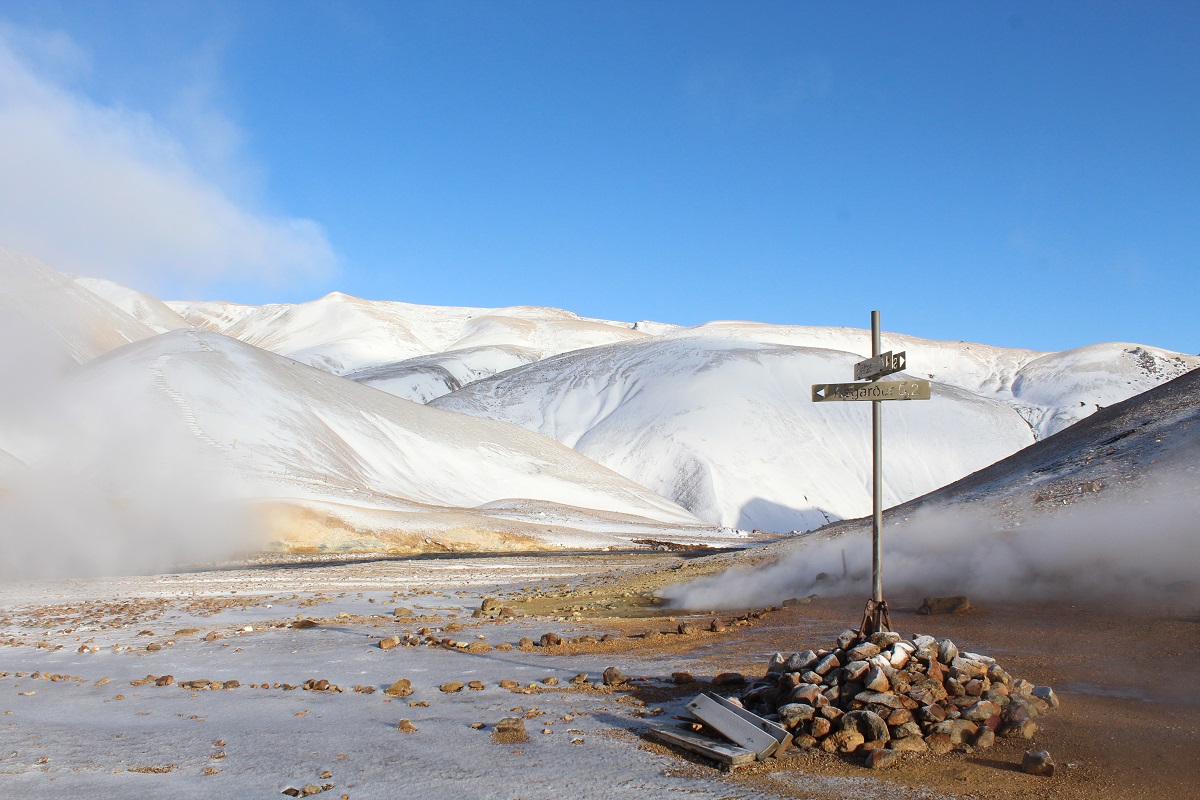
[726, 429]
[42, 302]
[360, 462]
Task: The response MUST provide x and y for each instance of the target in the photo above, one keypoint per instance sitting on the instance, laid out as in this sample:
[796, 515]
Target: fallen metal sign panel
[732, 727]
[780, 733]
[880, 365]
[723, 752]
[879, 390]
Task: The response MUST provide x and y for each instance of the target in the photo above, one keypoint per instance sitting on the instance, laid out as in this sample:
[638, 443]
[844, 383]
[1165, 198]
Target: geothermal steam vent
[882, 696]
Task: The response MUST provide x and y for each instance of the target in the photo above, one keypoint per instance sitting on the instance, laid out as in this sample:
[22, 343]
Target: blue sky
[1022, 174]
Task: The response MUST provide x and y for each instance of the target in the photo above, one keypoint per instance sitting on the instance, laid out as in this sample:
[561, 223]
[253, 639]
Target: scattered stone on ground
[1038, 763]
[945, 605]
[510, 730]
[406, 726]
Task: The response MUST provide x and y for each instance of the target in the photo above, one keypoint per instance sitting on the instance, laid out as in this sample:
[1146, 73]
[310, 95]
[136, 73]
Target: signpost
[876, 617]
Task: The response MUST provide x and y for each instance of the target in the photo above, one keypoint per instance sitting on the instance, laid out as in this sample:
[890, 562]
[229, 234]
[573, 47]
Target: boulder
[947, 651]
[868, 723]
[614, 677]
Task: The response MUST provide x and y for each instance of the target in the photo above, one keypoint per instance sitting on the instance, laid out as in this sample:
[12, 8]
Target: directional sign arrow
[877, 366]
[879, 390]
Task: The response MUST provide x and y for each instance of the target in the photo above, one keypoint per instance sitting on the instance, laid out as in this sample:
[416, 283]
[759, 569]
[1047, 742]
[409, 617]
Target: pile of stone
[892, 695]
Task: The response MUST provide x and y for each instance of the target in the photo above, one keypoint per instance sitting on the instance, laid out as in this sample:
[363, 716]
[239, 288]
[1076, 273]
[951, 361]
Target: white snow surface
[146, 309]
[380, 465]
[37, 302]
[344, 334]
[727, 429]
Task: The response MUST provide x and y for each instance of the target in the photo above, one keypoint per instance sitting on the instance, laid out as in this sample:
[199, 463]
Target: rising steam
[95, 480]
[1134, 547]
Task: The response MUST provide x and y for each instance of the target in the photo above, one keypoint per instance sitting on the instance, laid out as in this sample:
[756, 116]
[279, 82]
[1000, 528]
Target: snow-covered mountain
[350, 336]
[343, 465]
[46, 309]
[715, 419]
[727, 429]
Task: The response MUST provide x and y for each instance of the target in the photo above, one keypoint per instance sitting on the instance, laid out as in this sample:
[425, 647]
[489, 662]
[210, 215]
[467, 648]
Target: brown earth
[1129, 684]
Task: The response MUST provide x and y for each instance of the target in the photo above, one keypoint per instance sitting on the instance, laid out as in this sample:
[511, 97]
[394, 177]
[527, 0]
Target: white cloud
[111, 191]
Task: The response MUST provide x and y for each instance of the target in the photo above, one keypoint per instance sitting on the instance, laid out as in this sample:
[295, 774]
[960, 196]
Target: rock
[947, 651]
[211, 636]
[687, 629]
[793, 714]
[898, 657]
[799, 662]
[945, 605]
[406, 726]
[979, 712]
[165, 680]
[550, 681]
[827, 664]
[799, 601]
[939, 744]
[1037, 763]
[876, 680]
[884, 699]
[389, 643]
[401, 611]
[1045, 693]
[844, 741]
[884, 639]
[855, 670]
[820, 727]
[451, 687]
[868, 723]
[490, 606]
[984, 739]
[682, 677]
[1020, 730]
[899, 717]
[580, 679]
[932, 713]
[614, 677]
[479, 647]
[881, 758]
[729, 679]
[960, 731]
[550, 640]
[905, 730]
[974, 688]
[525, 643]
[509, 684]
[477, 686]
[806, 693]
[804, 741]
[847, 638]
[775, 664]
[717, 626]
[510, 729]
[861, 652]
[909, 744]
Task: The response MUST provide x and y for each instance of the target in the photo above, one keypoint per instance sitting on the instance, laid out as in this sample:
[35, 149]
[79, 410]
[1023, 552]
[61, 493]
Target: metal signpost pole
[876, 617]
[876, 477]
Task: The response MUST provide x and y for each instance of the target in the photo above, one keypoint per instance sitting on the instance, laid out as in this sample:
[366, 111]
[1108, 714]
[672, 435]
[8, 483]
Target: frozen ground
[83, 735]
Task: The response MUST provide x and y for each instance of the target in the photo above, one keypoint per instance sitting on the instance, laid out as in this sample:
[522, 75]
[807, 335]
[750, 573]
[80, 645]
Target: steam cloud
[1133, 547]
[95, 480]
[104, 190]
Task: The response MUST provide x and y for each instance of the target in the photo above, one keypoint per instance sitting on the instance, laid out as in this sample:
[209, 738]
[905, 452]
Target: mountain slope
[38, 303]
[726, 428]
[343, 334]
[351, 466]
